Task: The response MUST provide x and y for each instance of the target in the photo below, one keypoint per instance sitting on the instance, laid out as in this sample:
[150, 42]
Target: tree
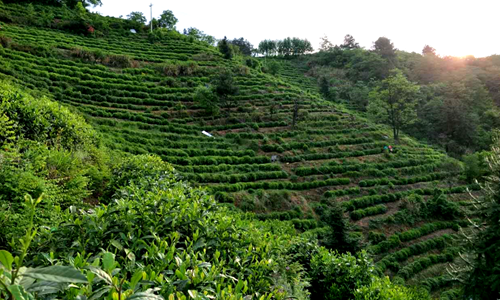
[428, 50]
[245, 46]
[138, 17]
[394, 102]
[385, 48]
[480, 266]
[324, 87]
[225, 87]
[200, 35]
[207, 99]
[225, 49]
[325, 44]
[167, 20]
[349, 43]
[267, 47]
[273, 67]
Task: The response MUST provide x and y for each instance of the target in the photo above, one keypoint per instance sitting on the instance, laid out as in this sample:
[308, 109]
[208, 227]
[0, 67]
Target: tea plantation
[278, 159]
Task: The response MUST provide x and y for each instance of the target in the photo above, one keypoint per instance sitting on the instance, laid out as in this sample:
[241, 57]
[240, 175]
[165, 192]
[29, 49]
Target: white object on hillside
[133, 31]
[207, 134]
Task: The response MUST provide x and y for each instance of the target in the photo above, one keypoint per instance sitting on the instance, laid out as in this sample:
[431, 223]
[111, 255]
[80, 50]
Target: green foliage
[43, 120]
[339, 276]
[440, 207]
[167, 20]
[394, 102]
[137, 17]
[370, 211]
[163, 224]
[273, 67]
[200, 35]
[225, 49]
[476, 166]
[483, 247]
[287, 47]
[384, 289]
[332, 215]
[207, 99]
[244, 46]
[225, 87]
[143, 96]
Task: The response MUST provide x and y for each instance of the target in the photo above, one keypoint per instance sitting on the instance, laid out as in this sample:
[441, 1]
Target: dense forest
[139, 161]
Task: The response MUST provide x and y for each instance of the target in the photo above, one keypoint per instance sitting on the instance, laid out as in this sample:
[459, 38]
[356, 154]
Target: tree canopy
[167, 20]
[394, 102]
[137, 16]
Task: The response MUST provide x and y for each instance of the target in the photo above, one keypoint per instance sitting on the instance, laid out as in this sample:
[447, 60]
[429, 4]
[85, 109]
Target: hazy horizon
[455, 28]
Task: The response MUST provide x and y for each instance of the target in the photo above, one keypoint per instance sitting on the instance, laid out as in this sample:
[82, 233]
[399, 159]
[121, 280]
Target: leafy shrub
[384, 289]
[338, 276]
[162, 226]
[42, 120]
[273, 67]
[476, 166]
[118, 61]
[376, 237]
[252, 63]
[440, 207]
[370, 211]
[391, 260]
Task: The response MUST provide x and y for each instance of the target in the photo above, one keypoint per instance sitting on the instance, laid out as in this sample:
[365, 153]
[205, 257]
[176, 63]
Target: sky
[456, 28]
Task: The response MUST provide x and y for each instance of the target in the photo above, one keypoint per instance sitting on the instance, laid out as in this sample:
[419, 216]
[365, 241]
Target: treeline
[450, 101]
[286, 47]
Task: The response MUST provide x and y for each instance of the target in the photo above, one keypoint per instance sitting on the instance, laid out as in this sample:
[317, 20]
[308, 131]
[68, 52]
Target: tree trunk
[295, 113]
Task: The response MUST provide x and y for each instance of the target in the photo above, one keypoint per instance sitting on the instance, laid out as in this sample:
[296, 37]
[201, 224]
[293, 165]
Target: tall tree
[245, 46]
[225, 87]
[199, 35]
[385, 48]
[349, 43]
[325, 44]
[394, 102]
[167, 20]
[480, 266]
[137, 16]
[224, 48]
[428, 50]
[268, 47]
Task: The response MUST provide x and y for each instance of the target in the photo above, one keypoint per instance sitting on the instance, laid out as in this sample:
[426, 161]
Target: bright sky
[453, 27]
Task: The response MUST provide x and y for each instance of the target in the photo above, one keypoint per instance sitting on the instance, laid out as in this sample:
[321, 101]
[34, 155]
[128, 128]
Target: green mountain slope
[403, 205]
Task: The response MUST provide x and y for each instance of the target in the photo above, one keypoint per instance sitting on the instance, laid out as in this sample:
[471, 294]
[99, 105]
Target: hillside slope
[139, 97]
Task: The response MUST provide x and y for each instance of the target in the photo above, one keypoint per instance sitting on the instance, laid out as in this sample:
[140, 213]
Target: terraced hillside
[256, 159]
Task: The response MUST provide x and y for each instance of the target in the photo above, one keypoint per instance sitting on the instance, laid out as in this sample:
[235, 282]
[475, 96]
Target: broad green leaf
[46, 287]
[57, 274]
[205, 265]
[99, 293]
[193, 294]
[117, 244]
[200, 243]
[136, 278]
[6, 259]
[179, 275]
[145, 296]
[239, 286]
[101, 274]
[130, 255]
[25, 281]
[17, 292]
[108, 261]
